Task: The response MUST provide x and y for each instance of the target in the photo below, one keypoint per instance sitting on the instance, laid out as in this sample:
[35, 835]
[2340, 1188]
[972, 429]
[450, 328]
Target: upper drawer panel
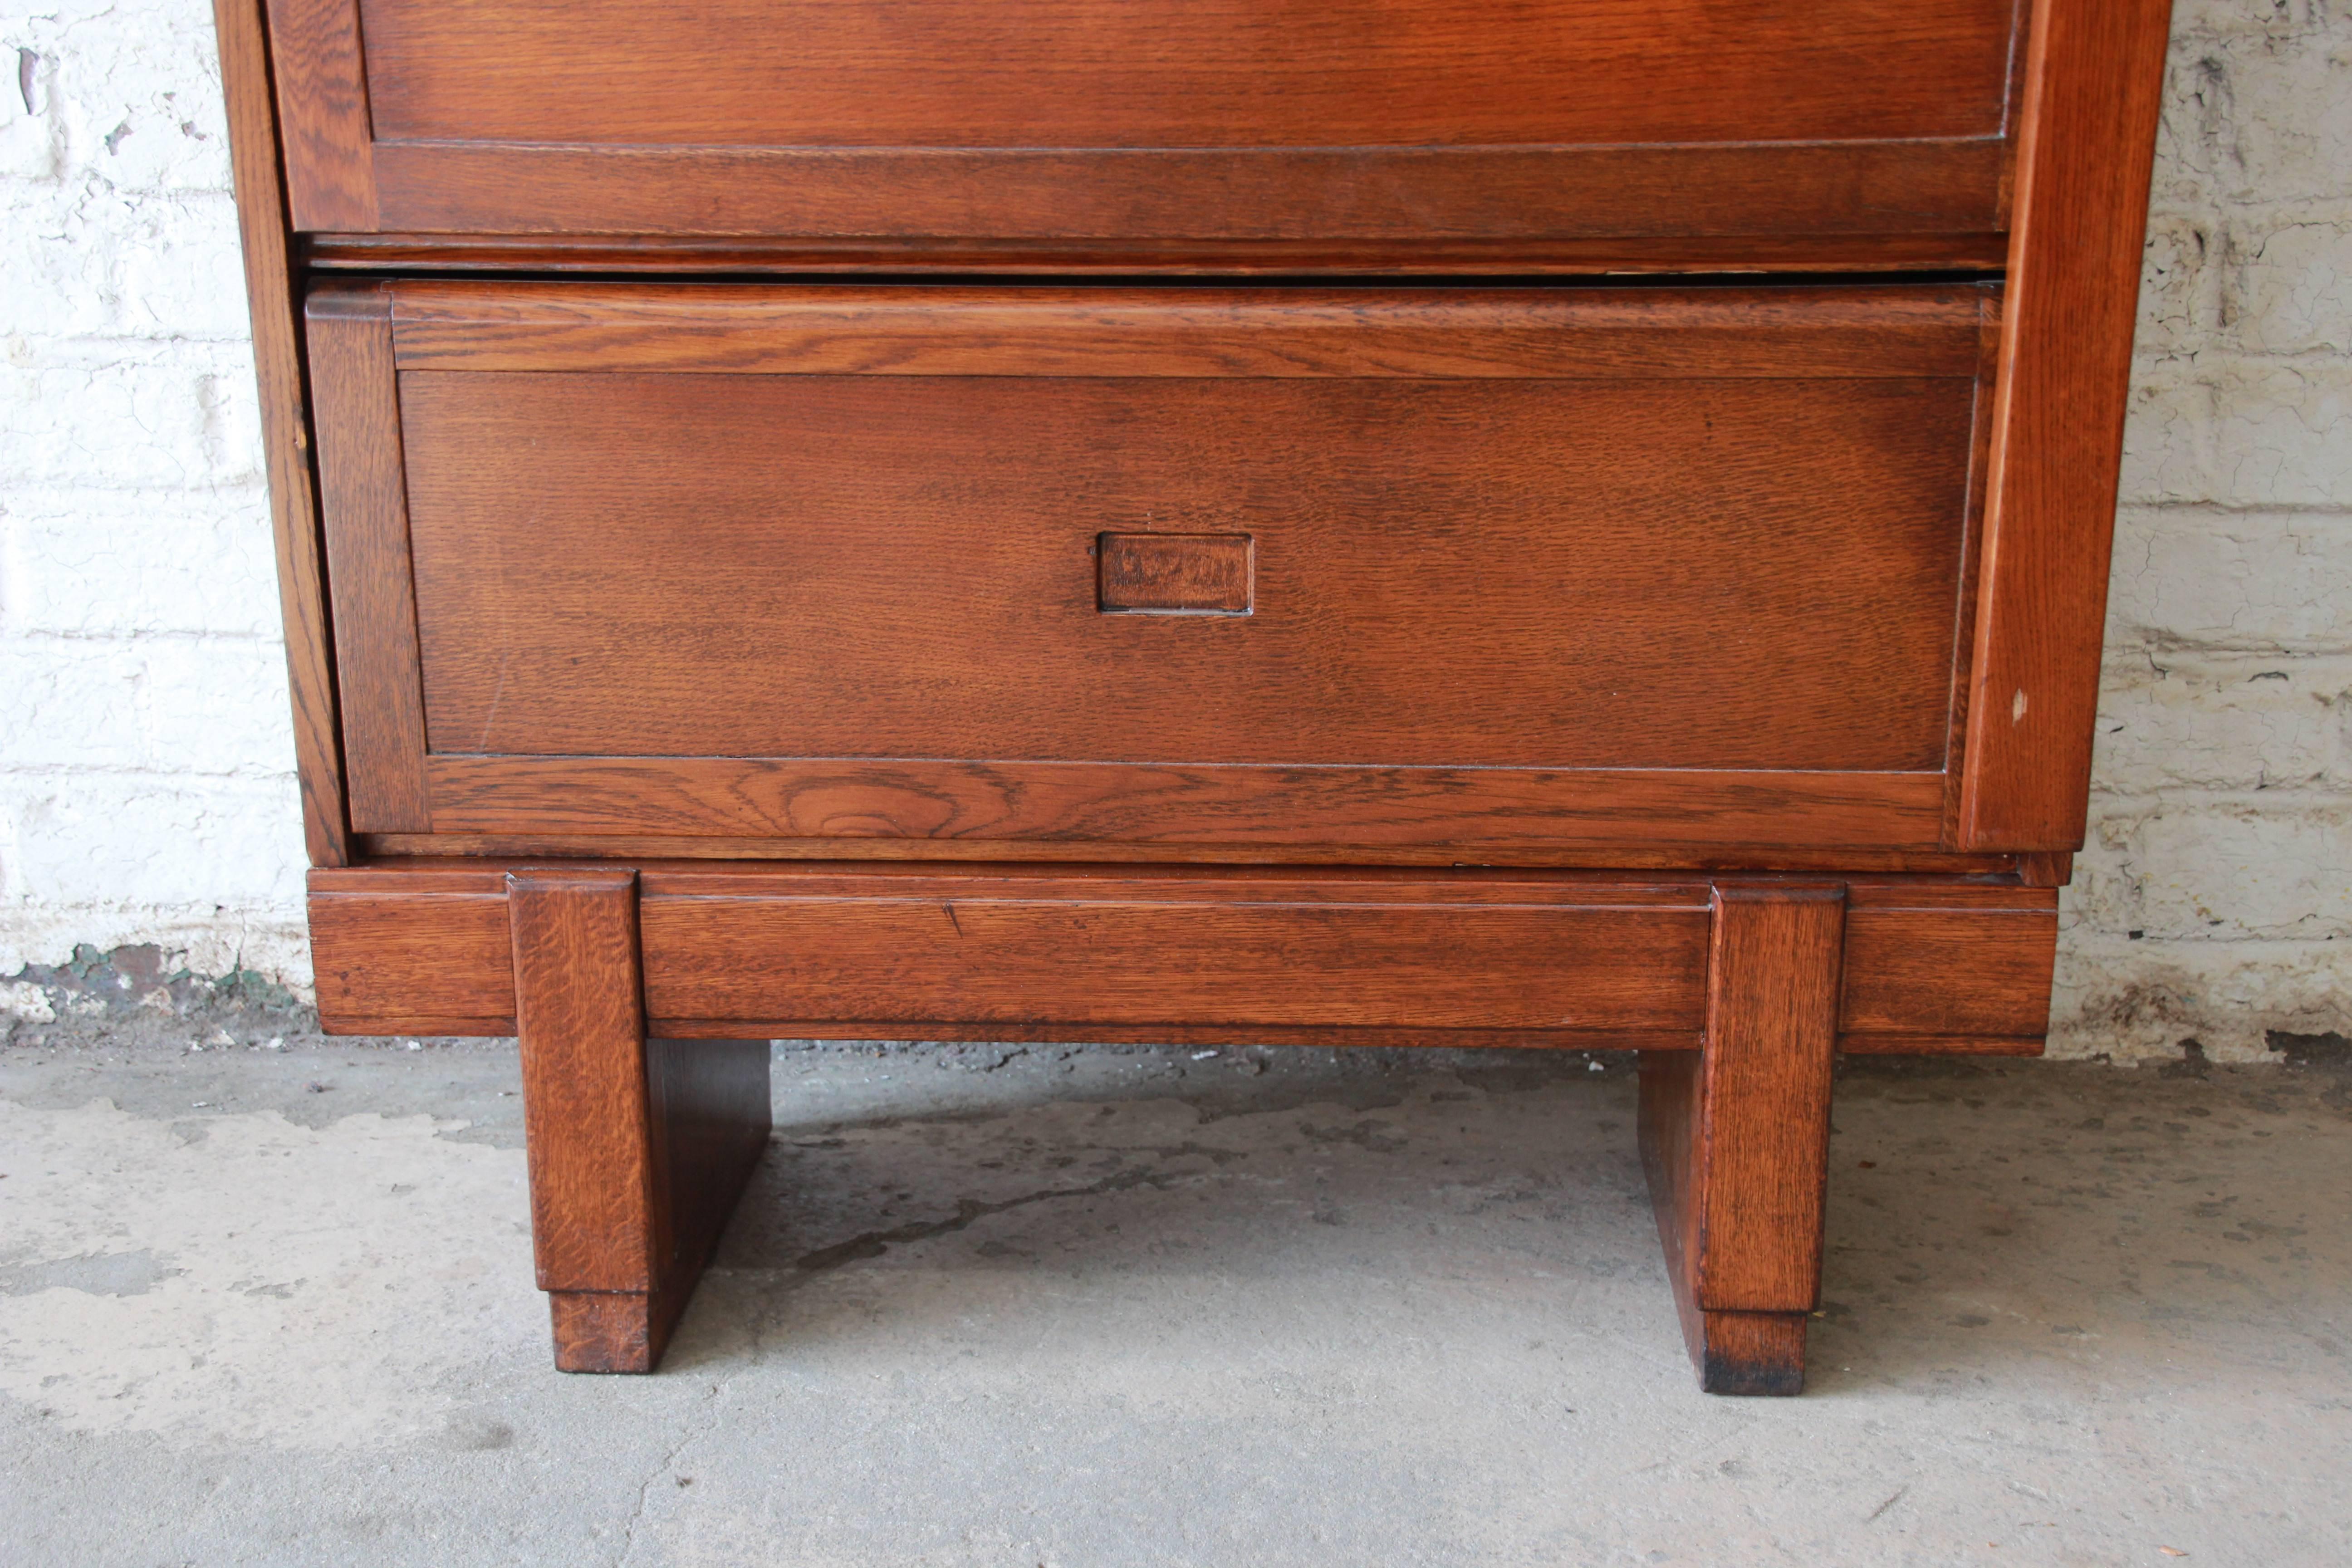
[1145, 120]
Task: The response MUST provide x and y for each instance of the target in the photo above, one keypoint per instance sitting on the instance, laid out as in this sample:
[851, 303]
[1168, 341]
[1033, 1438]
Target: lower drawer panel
[1377, 569]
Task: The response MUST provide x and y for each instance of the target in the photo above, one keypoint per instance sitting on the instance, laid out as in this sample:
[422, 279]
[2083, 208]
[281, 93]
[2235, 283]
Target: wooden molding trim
[687, 255]
[960, 952]
[1648, 334]
[1138, 802]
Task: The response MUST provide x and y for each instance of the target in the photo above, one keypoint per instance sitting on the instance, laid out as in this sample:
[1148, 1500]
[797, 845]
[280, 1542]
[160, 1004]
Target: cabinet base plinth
[647, 1108]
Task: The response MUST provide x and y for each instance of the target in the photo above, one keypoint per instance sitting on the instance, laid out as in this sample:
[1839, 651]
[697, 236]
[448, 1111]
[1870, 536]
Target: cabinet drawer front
[1151, 566]
[1108, 120]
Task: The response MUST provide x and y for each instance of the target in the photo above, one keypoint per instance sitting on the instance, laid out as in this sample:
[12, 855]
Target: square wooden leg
[638, 1148]
[1735, 1137]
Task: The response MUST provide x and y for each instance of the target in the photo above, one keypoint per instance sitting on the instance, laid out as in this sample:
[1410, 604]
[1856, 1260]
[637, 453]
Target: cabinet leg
[1735, 1137]
[638, 1148]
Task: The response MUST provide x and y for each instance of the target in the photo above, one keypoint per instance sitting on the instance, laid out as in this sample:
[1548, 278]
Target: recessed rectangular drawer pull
[1173, 573]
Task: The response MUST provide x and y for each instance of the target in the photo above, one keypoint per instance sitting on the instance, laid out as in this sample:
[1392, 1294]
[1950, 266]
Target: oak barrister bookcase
[1573, 524]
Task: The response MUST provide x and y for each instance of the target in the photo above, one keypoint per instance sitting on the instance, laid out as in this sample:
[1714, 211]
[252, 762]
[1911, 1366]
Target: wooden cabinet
[1580, 524]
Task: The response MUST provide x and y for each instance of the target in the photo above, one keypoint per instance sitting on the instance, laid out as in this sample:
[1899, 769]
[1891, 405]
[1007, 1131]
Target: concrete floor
[1135, 1307]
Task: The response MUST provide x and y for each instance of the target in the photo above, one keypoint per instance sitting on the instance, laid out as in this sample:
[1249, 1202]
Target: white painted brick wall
[145, 788]
[2214, 900]
[146, 791]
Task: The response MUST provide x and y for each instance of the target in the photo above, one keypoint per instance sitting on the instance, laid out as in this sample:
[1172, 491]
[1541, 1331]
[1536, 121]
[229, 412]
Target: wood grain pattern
[322, 105]
[391, 956]
[1931, 968]
[1919, 971]
[1622, 506]
[1173, 573]
[708, 1119]
[1098, 74]
[689, 255]
[638, 1148]
[1371, 196]
[1153, 956]
[580, 1017]
[850, 803]
[1771, 1022]
[1735, 1353]
[2046, 869]
[1874, 332]
[1426, 120]
[285, 435]
[1749, 1353]
[640, 848]
[1956, 723]
[1735, 1138]
[2092, 90]
[709, 1116]
[363, 495]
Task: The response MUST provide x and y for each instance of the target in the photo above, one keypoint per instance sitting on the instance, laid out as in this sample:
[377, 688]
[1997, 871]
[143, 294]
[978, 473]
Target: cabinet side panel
[2094, 76]
[278, 365]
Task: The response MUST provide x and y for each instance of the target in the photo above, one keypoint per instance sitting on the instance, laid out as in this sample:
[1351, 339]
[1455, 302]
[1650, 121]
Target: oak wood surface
[636, 1147]
[689, 255]
[1301, 961]
[1734, 1351]
[1773, 972]
[1932, 966]
[323, 112]
[363, 497]
[852, 803]
[2092, 91]
[1532, 502]
[1173, 573]
[580, 1017]
[1376, 196]
[1955, 721]
[1735, 1138]
[708, 1119]
[1566, 551]
[1880, 331]
[1098, 74]
[272, 299]
[1428, 118]
[636, 848]
[388, 958]
[1920, 969]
